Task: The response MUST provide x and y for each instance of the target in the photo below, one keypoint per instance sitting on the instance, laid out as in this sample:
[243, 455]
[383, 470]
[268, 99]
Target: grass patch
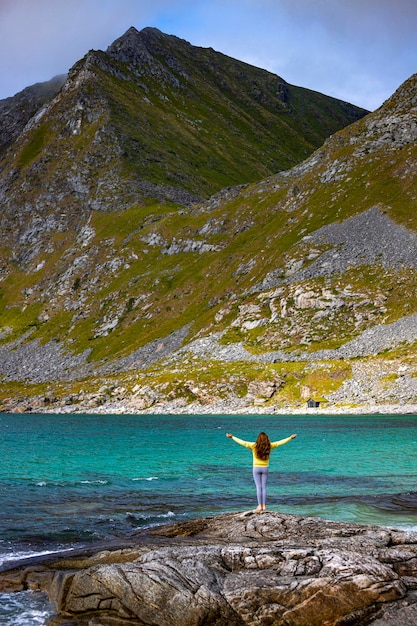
[34, 146]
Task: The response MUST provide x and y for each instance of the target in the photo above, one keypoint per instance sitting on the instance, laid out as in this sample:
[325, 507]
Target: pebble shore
[224, 408]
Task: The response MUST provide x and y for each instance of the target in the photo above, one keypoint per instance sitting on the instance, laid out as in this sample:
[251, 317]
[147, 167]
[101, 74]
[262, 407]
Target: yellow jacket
[251, 444]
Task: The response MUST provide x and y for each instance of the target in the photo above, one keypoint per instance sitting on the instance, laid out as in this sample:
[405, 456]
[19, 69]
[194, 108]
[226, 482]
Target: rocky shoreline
[179, 406]
[225, 408]
[234, 569]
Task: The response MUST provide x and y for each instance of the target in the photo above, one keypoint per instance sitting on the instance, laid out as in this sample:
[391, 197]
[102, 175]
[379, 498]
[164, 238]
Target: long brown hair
[263, 447]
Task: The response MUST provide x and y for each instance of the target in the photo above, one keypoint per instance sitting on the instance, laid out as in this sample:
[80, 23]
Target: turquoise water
[71, 480]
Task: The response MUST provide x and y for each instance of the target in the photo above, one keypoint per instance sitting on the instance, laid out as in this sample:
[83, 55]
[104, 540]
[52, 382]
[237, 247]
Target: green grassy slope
[143, 273]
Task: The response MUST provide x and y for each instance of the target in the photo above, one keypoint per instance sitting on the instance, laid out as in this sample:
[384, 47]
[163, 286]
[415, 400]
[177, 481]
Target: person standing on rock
[261, 450]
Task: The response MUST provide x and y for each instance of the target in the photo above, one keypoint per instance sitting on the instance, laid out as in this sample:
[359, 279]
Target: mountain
[152, 117]
[300, 284]
[16, 112]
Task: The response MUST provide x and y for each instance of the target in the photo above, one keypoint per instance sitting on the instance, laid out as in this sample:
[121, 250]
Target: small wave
[20, 556]
[412, 528]
[94, 482]
[147, 478]
[135, 517]
[57, 483]
[51, 483]
[23, 608]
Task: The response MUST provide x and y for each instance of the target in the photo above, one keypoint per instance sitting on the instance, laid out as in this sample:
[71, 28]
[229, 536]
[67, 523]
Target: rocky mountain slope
[152, 117]
[15, 112]
[263, 295]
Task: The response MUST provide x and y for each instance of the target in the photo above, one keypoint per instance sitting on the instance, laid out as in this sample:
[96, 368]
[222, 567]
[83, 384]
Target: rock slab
[235, 569]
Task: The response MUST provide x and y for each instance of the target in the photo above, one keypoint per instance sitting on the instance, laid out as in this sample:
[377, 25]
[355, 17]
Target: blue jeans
[260, 476]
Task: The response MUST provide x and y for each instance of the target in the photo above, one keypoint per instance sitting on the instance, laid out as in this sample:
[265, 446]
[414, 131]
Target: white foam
[24, 609]
[44, 483]
[148, 515]
[408, 527]
[94, 482]
[18, 556]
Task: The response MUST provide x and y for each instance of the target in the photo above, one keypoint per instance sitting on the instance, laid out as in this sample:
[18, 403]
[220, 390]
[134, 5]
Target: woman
[261, 450]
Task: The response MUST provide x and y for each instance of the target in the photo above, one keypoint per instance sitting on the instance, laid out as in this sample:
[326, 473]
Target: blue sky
[356, 50]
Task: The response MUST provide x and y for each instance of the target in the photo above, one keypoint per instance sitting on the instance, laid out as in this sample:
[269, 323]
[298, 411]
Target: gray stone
[234, 569]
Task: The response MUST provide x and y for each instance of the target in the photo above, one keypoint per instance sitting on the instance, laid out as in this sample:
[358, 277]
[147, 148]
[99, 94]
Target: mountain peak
[148, 30]
[179, 121]
[134, 39]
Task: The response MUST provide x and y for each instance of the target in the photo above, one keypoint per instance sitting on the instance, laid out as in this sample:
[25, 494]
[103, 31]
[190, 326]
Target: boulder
[235, 569]
[260, 391]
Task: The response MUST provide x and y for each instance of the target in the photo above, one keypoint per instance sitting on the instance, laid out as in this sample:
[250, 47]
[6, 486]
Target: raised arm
[246, 444]
[275, 444]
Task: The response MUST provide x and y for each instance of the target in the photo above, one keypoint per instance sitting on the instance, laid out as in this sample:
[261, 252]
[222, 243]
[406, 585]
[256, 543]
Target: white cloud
[356, 50]
[41, 38]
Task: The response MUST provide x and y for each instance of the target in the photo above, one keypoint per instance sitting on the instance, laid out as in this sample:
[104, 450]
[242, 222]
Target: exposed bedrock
[234, 569]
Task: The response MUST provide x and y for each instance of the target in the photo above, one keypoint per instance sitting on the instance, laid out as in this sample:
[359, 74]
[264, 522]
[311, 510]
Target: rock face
[15, 112]
[235, 569]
